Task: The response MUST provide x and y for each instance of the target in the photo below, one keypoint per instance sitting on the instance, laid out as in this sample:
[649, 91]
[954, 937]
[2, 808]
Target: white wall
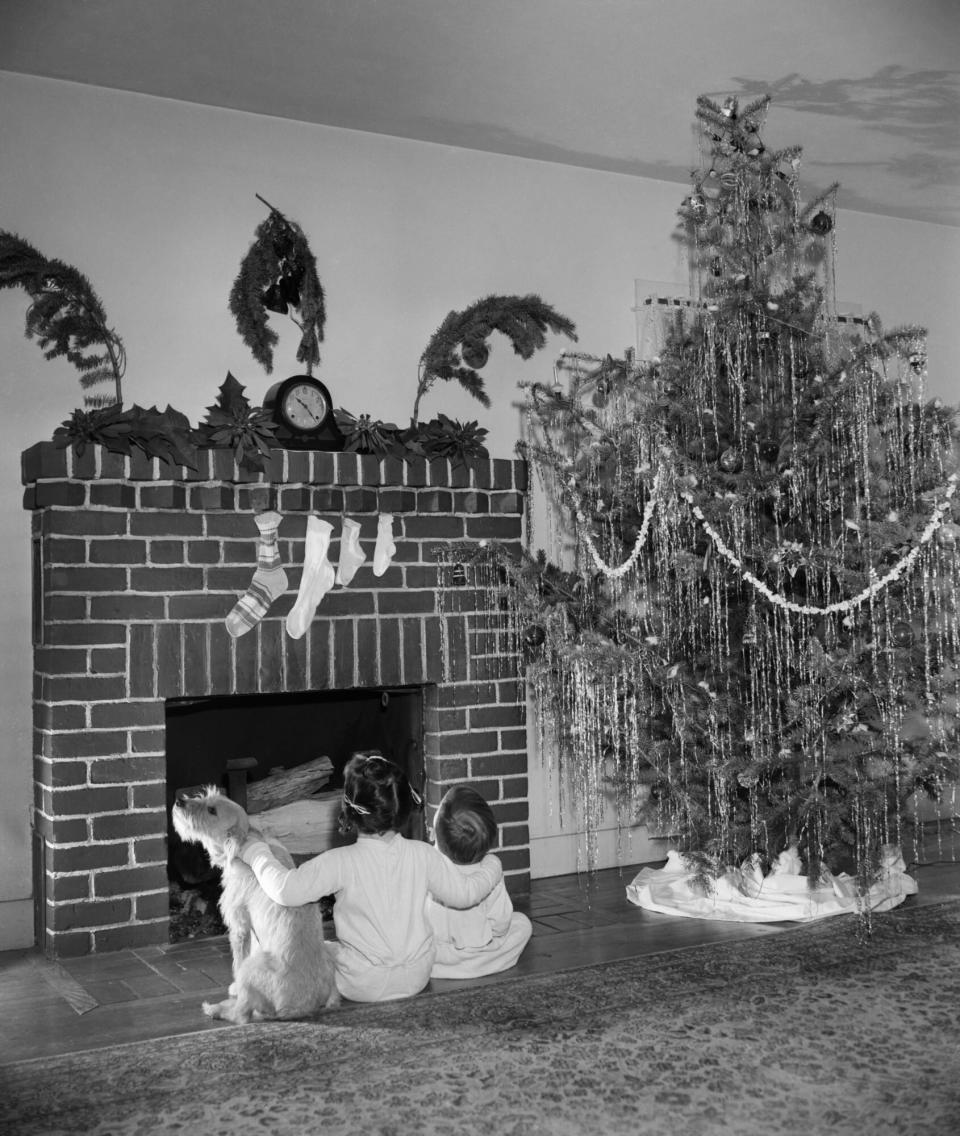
[154, 201]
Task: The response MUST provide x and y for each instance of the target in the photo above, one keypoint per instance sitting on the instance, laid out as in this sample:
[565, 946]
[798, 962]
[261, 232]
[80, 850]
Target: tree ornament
[697, 205]
[901, 634]
[947, 535]
[821, 223]
[534, 635]
[272, 299]
[474, 353]
[918, 361]
[731, 460]
[290, 284]
[769, 450]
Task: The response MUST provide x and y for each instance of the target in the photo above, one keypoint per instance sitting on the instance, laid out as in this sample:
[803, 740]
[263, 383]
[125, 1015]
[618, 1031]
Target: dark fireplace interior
[233, 742]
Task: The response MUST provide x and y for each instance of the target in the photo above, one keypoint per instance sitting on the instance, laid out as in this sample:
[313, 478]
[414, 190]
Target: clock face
[305, 406]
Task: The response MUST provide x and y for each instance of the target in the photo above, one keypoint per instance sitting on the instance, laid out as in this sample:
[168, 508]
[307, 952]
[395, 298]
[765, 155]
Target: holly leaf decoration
[232, 422]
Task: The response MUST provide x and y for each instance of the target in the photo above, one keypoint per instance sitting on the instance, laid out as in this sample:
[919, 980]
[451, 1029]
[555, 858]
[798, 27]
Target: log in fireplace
[136, 565]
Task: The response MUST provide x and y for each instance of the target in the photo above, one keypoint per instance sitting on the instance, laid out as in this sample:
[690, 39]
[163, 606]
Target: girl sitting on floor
[385, 946]
[488, 937]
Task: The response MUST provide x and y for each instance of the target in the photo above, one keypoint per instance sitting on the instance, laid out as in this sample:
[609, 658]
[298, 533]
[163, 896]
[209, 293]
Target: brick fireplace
[135, 566]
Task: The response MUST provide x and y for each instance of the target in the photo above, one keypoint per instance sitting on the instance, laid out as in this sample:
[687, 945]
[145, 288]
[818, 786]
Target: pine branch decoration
[279, 274]
[458, 349]
[66, 317]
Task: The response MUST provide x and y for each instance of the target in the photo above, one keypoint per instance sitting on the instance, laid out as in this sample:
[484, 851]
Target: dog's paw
[211, 1009]
[232, 990]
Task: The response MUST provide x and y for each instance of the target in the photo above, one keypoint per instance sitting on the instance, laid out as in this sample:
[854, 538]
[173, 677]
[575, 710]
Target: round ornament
[821, 223]
[731, 461]
[947, 535]
[917, 362]
[475, 353]
[533, 639]
[902, 634]
[697, 204]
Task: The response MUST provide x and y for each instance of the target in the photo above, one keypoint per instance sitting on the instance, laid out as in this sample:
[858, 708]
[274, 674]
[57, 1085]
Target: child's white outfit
[478, 940]
[385, 945]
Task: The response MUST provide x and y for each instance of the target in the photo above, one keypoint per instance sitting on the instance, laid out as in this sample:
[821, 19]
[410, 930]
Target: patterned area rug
[808, 1031]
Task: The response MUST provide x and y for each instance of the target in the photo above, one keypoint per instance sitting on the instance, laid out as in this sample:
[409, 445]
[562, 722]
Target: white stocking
[317, 578]
[385, 548]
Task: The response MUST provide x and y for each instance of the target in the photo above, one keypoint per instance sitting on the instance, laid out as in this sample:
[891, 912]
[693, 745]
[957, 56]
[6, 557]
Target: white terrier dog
[281, 966]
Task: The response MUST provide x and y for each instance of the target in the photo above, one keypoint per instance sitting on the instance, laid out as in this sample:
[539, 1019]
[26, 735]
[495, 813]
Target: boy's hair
[464, 827]
[377, 796]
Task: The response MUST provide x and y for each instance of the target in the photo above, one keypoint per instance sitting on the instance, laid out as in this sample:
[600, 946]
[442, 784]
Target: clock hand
[307, 409]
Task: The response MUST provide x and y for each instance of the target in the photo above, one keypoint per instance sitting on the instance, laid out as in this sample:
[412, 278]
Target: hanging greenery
[460, 347]
[759, 644]
[66, 317]
[279, 274]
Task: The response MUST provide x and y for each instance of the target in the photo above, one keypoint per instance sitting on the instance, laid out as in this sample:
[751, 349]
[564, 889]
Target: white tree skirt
[745, 895]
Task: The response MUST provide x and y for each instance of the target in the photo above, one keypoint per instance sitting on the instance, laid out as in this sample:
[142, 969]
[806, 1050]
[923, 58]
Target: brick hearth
[135, 567]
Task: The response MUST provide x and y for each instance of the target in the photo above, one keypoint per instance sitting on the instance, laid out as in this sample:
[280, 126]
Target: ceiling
[869, 88]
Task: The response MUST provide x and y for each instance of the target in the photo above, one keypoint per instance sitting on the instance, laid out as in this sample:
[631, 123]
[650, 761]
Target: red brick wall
[135, 568]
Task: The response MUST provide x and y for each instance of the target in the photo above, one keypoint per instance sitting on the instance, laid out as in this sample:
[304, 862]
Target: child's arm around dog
[332, 871]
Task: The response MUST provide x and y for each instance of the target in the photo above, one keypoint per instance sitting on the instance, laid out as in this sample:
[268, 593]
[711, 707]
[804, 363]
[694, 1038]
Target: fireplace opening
[281, 757]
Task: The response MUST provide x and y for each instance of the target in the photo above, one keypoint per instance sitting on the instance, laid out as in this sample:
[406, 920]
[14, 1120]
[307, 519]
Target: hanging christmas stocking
[351, 554]
[385, 548]
[317, 578]
[269, 580]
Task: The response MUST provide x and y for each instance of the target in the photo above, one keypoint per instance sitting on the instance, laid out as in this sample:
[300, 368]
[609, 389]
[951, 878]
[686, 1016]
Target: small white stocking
[351, 554]
[385, 548]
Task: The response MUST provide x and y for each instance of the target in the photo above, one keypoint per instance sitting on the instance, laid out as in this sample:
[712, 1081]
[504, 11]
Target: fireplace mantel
[136, 565]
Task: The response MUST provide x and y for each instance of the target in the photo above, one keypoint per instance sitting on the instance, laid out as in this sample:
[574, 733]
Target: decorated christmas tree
[757, 642]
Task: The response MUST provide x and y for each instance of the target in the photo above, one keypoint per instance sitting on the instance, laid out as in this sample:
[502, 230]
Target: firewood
[305, 828]
[285, 785]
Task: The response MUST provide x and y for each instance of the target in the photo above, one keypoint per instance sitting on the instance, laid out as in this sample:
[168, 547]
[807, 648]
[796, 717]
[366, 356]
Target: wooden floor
[50, 1008]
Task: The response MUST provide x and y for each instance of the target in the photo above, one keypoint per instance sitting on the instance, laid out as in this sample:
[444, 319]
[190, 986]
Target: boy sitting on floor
[489, 937]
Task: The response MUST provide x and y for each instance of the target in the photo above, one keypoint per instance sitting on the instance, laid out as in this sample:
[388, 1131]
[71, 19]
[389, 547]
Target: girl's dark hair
[377, 796]
[464, 827]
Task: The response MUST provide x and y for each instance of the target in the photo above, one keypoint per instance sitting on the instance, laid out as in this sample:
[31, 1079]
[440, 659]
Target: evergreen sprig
[458, 349]
[279, 273]
[66, 317]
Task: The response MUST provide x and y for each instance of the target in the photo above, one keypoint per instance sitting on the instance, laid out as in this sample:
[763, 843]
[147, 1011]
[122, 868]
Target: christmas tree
[758, 642]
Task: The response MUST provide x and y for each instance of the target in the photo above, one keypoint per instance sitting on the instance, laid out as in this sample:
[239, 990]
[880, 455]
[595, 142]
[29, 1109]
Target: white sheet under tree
[746, 895]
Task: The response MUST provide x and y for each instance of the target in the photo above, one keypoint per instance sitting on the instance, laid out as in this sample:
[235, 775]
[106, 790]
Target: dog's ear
[236, 835]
